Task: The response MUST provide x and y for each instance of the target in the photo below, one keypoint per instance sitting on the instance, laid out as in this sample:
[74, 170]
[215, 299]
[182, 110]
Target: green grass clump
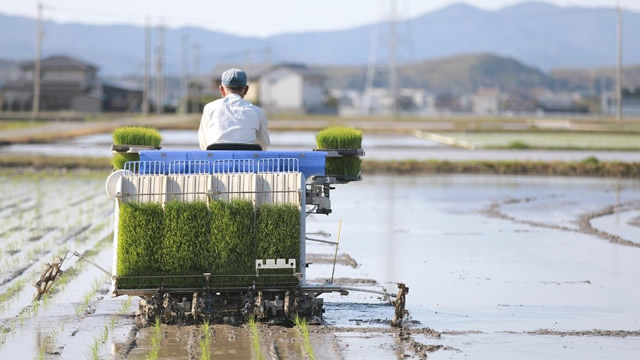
[140, 234]
[232, 245]
[339, 137]
[518, 144]
[136, 135]
[186, 235]
[278, 234]
[119, 160]
[590, 160]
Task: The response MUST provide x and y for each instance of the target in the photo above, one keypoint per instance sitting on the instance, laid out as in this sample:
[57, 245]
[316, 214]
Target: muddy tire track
[594, 332]
[342, 259]
[131, 342]
[404, 335]
[494, 211]
[583, 221]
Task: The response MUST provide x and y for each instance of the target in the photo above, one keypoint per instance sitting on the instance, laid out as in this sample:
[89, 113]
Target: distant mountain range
[537, 34]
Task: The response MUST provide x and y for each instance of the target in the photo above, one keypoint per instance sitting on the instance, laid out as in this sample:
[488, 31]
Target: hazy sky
[252, 17]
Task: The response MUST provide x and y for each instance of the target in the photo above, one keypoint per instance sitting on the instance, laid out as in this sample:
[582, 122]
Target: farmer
[232, 123]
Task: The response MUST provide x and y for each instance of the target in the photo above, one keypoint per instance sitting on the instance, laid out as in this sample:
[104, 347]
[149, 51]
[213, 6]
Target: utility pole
[268, 54]
[393, 68]
[195, 104]
[619, 69]
[247, 57]
[371, 72]
[184, 83]
[36, 68]
[160, 72]
[147, 60]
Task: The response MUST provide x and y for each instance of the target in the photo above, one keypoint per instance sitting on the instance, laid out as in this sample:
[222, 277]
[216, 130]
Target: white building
[292, 88]
[486, 102]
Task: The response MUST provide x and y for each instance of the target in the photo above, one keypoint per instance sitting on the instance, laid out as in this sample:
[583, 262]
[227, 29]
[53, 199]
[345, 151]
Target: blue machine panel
[311, 163]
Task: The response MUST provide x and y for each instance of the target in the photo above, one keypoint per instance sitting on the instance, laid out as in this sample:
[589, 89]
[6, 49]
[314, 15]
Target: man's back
[233, 120]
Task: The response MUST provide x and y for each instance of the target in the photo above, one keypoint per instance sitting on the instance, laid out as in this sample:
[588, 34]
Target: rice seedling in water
[340, 137]
[156, 338]
[4, 332]
[255, 339]
[303, 328]
[124, 306]
[98, 341]
[186, 235]
[205, 342]
[82, 307]
[11, 291]
[136, 135]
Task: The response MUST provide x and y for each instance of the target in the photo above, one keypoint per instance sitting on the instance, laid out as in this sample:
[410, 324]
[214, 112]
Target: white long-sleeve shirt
[233, 120]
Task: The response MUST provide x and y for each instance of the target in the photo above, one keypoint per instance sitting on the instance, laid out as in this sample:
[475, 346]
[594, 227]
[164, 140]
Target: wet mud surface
[498, 267]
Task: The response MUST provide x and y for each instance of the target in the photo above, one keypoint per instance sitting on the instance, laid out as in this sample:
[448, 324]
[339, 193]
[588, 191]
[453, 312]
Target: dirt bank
[541, 168]
[369, 167]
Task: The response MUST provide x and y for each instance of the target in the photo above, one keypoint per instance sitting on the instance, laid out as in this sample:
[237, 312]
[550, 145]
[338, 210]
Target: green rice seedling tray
[174, 247]
[136, 135]
[186, 234]
[337, 138]
[278, 232]
[119, 160]
[140, 234]
[232, 242]
[133, 135]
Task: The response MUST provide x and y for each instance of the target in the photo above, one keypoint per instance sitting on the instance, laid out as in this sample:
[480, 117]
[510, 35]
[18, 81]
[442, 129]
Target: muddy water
[490, 255]
[497, 266]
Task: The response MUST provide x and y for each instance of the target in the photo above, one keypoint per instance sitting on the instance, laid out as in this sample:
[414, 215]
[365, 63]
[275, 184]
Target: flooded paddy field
[498, 267]
[377, 146]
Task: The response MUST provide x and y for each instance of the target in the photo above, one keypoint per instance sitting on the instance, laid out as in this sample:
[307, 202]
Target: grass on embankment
[591, 168]
[588, 167]
[558, 140]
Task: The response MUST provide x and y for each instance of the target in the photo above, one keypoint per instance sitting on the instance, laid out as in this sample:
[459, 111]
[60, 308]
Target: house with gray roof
[67, 83]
